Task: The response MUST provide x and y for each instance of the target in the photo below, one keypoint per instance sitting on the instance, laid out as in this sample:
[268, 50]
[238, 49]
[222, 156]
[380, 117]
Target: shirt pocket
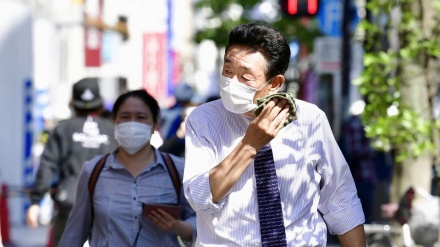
[157, 188]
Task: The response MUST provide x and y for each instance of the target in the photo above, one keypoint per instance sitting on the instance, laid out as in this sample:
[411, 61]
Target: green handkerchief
[290, 99]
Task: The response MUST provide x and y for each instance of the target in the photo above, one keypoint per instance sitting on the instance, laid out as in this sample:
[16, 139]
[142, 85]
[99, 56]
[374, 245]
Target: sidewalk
[23, 236]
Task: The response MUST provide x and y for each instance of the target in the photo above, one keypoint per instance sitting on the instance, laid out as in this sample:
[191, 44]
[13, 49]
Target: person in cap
[72, 142]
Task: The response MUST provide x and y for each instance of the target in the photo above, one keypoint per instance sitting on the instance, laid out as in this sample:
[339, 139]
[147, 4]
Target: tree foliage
[394, 123]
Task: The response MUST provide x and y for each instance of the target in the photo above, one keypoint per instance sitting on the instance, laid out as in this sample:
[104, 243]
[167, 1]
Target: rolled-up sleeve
[339, 203]
[199, 160]
[188, 214]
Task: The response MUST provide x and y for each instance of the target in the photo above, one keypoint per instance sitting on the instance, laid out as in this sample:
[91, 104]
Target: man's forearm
[224, 176]
[353, 238]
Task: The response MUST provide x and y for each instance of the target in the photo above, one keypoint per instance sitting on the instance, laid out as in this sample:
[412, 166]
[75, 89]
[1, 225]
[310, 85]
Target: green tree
[400, 83]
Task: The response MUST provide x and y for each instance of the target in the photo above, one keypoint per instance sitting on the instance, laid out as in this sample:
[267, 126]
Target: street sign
[330, 16]
[327, 54]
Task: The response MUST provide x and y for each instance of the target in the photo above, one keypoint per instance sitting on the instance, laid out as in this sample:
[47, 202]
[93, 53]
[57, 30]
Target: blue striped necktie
[272, 228]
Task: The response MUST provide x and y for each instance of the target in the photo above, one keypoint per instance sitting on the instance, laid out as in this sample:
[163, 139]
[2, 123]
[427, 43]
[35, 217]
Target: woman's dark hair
[141, 94]
[266, 40]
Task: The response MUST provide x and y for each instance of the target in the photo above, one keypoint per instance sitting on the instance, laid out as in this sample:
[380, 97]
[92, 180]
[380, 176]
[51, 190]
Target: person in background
[232, 143]
[172, 116]
[133, 175]
[359, 153]
[72, 142]
[175, 144]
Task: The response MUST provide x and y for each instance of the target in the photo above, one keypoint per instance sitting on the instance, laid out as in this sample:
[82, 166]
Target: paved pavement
[23, 236]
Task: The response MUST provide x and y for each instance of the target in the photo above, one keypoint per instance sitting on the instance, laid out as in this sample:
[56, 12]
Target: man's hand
[267, 125]
[32, 215]
[259, 133]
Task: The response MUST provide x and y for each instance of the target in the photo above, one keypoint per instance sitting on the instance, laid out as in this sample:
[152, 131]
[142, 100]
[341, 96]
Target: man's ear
[276, 83]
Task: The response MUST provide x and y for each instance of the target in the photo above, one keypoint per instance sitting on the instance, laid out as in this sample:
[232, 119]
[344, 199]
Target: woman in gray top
[133, 175]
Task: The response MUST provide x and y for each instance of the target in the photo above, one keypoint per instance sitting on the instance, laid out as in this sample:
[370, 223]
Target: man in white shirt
[223, 138]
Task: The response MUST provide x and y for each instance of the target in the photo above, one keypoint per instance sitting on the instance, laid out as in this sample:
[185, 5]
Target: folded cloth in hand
[290, 100]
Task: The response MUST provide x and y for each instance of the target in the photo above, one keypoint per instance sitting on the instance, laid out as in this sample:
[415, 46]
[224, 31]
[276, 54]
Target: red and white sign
[154, 65]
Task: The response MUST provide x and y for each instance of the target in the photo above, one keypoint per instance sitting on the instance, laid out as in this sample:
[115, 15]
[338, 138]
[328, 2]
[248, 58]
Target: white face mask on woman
[133, 136]
[236, 96]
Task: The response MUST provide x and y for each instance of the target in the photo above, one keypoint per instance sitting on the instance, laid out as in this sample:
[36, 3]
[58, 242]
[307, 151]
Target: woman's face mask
[132, 136]
[236, 96]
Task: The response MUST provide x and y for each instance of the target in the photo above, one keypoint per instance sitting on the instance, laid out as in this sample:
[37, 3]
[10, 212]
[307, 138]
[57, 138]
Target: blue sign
[28, 133]
[330, 16]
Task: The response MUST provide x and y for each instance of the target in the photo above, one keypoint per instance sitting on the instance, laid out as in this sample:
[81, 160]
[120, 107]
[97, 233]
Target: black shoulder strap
[172, 171]
[94, 178]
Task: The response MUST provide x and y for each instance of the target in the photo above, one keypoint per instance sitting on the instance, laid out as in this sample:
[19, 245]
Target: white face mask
[236, 96]
[132, 136]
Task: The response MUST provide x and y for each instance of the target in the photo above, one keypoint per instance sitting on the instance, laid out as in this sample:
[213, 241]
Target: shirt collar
[114, 164]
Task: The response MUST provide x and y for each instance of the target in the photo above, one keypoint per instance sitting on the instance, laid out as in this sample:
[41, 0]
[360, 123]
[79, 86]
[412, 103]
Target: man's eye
[247, 78]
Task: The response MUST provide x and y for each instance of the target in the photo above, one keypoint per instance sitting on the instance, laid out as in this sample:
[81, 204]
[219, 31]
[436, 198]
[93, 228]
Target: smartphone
[172, 209]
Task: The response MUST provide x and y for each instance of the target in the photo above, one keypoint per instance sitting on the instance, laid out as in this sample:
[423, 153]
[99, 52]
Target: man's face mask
[236, 96]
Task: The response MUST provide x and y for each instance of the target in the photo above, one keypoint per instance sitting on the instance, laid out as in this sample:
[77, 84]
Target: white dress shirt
[316, 186]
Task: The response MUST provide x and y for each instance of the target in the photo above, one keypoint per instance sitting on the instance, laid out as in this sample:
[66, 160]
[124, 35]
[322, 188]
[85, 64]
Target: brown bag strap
[172, 171]
[94, 178]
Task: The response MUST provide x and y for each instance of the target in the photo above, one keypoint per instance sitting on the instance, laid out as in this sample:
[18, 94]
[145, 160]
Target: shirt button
[134, 198]
[135, 217]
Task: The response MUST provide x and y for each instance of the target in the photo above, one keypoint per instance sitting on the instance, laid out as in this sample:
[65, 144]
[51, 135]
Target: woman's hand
[168, 223]
[162, 220]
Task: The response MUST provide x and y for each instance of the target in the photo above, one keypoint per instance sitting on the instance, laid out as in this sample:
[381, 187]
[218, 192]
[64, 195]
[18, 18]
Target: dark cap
[86, 94]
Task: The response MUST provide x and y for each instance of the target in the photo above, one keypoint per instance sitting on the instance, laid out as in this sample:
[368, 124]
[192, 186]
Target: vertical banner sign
[154, 67]
[171, 65]
[92, 35]
[28, 134]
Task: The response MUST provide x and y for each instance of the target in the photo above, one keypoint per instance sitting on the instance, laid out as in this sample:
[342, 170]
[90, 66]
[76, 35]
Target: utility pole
[346, 57]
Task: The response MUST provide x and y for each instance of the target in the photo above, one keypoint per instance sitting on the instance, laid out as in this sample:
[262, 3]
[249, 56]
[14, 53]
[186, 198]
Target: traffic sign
[330, 14]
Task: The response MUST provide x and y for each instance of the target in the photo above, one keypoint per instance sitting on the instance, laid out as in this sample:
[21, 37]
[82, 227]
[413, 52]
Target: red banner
[154, 66]
[92, 47]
